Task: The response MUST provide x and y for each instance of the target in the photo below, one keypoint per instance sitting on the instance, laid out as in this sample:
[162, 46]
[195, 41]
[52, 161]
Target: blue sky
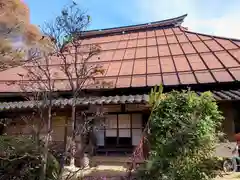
[217, 17]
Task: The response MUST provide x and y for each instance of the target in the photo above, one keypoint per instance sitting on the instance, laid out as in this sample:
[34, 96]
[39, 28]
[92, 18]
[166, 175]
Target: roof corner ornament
[178, 23]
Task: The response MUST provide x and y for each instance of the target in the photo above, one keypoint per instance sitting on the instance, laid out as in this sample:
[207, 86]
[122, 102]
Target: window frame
[131, 128]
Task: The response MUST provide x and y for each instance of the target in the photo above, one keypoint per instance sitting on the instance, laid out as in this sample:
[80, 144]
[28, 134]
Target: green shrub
[183, 134]
[21, 159]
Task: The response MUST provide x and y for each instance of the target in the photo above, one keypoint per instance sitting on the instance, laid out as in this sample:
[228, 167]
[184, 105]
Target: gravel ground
[99, 171]
[120, 171]
[233, 176]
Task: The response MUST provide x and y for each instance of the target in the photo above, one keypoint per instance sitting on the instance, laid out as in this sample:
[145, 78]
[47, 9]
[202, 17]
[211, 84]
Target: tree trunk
[37, 138]
[45, 155]
[73, 143]
[65, 150]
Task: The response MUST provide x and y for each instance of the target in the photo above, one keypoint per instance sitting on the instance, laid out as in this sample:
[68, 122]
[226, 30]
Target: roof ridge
[177, 21]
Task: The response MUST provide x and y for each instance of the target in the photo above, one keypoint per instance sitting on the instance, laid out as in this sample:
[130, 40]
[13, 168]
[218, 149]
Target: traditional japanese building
[136, 58]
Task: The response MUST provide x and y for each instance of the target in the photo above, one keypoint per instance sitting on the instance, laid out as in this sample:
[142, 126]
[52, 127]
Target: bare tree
[63, 46]
[73, 56]
[38, 83]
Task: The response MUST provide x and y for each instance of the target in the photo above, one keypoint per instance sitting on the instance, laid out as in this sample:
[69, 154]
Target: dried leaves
[16, 33]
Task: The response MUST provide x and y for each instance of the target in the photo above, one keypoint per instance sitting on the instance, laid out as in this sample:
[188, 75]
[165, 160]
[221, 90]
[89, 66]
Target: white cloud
[224, 23]
[226, 26]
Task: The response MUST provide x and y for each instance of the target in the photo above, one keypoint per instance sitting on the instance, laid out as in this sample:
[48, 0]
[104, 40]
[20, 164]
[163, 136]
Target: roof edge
[215, 36]
[177, 21]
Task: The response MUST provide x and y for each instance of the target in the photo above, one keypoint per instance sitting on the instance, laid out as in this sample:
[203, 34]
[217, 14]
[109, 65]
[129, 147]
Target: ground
[114, 171]
[99, 171]
[233, 176]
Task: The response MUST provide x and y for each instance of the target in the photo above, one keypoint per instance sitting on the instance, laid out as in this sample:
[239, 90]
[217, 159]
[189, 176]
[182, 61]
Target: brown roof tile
[200, 46]
[161, 40]
[109, 45]
[139, 66]
[132, 43]
[142, 35]
[187, 78]
[151, 41]
[213, 45]
[122, 44]
[108, 55]
[109, 82]
[227, 44]
[138, 81]
[211, 61]
[236, 54]
[226, 59]
[181, 63]
[237, 42]
[153, 65]
[235, 72]
[105, 68]
[196, 62]
[64, 85]
[113, 69]
[171, 39]
[152, 51]
[159, 32]
[9, 88]
[123, 81]
[126, 68]
[167, 64]
[204, 37]
[95, 58]
[163, 50]
[222, 75]
[133, 36]
[118, 55]
[177, 30]
[150, 33]
[168, 31]
[175, 49]
[187, 48]
[182, 38]
[204, 77]
[192, 37]
[145, 57]
[130, 53]
[141, 52]
[141, 42]
[12, 74]
[125, 37]
[154, 79]
[170, 79]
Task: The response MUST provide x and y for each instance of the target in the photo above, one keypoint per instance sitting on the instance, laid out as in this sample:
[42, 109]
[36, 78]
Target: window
[120, 130]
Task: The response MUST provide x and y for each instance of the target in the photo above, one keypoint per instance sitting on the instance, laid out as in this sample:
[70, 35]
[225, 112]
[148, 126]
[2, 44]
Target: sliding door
[120, 130]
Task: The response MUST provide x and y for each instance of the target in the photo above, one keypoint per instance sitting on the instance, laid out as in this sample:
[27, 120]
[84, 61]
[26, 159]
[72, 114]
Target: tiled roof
[161, 52]
[4, 106]
[220, 95]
